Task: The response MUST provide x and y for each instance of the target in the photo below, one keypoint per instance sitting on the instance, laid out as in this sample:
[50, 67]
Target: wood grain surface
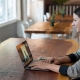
[45, 27]
[11, 67]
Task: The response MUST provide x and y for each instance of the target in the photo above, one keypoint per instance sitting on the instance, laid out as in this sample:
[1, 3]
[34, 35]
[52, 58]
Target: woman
[71, 71]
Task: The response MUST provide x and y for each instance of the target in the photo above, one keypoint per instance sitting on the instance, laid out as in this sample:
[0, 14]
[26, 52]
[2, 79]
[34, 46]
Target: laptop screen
[24, 53]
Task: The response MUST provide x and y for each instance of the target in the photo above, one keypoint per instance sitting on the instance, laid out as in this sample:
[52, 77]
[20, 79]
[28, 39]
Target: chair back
[20, 29]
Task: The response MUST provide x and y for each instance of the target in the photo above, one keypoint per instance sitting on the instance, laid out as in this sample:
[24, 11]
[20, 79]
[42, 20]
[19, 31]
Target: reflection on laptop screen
[25, 53]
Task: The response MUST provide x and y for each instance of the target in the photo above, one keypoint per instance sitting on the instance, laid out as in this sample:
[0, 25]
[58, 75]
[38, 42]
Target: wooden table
[45, 27]
[10, 64]
[66, 18]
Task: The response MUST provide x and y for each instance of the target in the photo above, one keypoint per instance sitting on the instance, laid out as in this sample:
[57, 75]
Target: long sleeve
[74, 70]
[71, 71]
[75, 56]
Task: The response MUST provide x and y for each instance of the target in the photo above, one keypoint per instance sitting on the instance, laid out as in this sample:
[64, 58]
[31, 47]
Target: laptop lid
[24, 53]
[26, 56]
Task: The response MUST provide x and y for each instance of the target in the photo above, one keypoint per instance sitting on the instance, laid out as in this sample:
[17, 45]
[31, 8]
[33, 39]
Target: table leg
[68, 36]
[55, 36]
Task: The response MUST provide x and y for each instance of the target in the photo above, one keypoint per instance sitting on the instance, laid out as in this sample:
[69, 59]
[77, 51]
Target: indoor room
[39, 40]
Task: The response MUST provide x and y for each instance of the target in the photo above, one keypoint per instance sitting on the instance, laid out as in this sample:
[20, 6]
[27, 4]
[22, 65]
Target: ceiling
[73, 2]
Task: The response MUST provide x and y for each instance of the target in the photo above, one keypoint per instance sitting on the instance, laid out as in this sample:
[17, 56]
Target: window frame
[3, 11]
[7, 21]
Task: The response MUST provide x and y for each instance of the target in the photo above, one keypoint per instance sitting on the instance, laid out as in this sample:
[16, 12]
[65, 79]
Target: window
[28, 8]
[7, 10]
[1, 10]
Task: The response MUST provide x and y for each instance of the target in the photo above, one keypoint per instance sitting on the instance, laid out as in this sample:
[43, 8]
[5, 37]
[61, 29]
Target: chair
[62, 36]
[21, 26]
[47, 15]
[44, 18]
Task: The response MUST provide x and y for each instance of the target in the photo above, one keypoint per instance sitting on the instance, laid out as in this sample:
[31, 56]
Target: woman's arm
[57, 60]
[53, 67]
[44, 65]
[74, 70]
[65, 59]
[77, 54]
[71, 71]
[62, 60]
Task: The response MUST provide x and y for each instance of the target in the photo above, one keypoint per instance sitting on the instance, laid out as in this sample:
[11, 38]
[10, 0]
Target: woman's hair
[77, 12]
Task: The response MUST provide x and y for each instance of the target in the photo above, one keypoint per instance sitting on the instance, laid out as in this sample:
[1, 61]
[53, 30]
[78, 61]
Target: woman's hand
[56, 60]
[44, 65]
[52, 60]
[39, 64]
[48, 59]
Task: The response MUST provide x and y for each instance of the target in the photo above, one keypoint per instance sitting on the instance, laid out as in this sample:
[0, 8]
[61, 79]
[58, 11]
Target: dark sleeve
[63, 69]
[72, 57]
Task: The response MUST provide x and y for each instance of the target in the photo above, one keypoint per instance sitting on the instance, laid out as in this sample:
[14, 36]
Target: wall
[73, 2]
[8, 31]
[50, 2]
[37, 10]
[46, 3]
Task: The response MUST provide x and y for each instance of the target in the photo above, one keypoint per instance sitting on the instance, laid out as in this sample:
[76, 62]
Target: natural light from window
[7, 10]
[28, 8]
[1, 10]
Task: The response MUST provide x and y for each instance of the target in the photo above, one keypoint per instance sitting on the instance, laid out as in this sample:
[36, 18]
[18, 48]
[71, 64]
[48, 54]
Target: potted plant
[53, 19]
[62, 11]
[60, 3]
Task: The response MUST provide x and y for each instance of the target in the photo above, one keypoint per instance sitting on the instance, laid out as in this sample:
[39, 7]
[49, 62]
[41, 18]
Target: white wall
[37, 10]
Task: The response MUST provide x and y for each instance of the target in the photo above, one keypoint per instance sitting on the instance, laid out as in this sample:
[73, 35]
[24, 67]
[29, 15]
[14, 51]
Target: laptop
[26, 56]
